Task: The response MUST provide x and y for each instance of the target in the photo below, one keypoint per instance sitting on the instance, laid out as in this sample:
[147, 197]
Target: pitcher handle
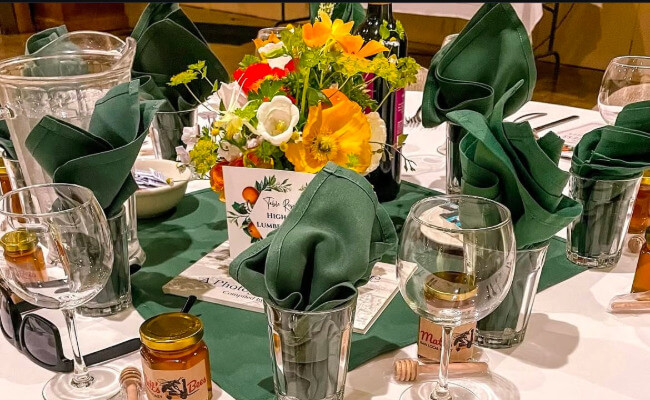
[6, 113]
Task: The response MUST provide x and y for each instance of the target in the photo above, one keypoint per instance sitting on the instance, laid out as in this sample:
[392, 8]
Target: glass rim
[506, 220]
[619, 61]
[72, 79]
[575, 175]
[347, 304]
[6, 197]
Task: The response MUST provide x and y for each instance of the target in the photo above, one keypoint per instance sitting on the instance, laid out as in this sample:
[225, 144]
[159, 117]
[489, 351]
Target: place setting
[325, 218]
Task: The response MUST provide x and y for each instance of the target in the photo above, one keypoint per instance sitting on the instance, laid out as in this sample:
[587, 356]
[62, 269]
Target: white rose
[232, 95]
[377, 139]
[190, 136]
[271, 49]
[276, 120]
[228, 151]
[279, 62]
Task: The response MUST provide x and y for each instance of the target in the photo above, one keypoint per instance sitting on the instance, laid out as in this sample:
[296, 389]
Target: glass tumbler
[595, 239]
[310, 351]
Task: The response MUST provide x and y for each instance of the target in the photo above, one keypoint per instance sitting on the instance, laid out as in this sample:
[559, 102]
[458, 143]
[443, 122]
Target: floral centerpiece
[302, 101]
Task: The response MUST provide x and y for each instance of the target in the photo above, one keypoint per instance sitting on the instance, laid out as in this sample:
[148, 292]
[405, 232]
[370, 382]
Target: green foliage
[268, 89]
[248, 60]
[314, 96]
[249, 111]
[345, 11]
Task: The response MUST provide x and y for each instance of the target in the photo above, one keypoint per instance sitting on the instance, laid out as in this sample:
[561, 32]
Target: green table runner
[238, 339]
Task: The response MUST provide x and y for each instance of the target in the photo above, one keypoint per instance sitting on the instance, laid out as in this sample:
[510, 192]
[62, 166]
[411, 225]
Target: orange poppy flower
[321, 31]
[335, 95]
[353, 45]
[261, 43]
[340, 133]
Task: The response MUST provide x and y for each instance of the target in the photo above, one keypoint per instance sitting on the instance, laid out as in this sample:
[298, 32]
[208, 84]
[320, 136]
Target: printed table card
[257, 202]
[208, 280]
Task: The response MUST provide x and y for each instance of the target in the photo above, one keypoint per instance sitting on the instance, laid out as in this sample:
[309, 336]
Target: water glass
[626, 80]
[595, 239]
[166, 130]
[116, 294]
[265, 33]
[506, 326]
[310, 351]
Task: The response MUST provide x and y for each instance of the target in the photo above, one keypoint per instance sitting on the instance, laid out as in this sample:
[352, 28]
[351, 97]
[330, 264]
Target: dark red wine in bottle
[386, 178]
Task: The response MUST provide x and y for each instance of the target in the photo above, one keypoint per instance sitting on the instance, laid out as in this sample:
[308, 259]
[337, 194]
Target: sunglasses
[40, 340]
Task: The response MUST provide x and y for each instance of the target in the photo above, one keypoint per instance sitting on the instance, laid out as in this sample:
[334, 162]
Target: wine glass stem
[81, 378]
[441, 392]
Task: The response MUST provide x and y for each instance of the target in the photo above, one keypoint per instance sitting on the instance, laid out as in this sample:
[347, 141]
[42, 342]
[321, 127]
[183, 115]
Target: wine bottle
[386, 178]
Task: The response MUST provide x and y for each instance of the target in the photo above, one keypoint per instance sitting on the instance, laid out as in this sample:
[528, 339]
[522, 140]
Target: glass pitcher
[63, 79]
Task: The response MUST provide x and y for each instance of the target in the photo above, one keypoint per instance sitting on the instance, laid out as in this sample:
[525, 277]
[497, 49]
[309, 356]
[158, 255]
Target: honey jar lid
[450, 286]
[171, 331]
[19, 240]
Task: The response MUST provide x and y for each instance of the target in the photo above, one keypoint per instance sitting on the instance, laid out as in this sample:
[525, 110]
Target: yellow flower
[184, 77]
[340, 133]
[353, 45]
[204, 155]
[321, 31]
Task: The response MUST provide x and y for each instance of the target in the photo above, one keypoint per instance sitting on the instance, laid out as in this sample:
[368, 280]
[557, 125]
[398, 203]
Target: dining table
[573, 348]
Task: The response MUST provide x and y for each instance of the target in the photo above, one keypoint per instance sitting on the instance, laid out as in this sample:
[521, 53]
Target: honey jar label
[430, 341]
[177, 384]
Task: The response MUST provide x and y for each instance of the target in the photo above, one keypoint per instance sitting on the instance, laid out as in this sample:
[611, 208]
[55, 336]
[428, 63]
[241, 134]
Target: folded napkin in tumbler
[167, 42]
[325, 248]
[489, 56]
[503, 161]
[616, 152]
[102, 157]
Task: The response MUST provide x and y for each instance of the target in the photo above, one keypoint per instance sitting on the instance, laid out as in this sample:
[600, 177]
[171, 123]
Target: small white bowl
[155, 201]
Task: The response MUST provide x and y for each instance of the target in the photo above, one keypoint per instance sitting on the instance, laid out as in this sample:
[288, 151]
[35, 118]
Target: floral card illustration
[257, 202]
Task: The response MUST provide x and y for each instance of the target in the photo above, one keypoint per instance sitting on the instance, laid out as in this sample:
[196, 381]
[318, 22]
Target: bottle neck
[380, 11]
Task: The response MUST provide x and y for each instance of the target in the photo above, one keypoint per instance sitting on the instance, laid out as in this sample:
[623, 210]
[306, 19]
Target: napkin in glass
[100, 158]
[324, 249]
[167, 42]
[610, 157]
[489, 56]
[503, 161]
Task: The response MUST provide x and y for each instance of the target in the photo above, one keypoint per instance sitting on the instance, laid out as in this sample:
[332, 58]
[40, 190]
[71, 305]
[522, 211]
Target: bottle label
[177, 384]
[398, 121]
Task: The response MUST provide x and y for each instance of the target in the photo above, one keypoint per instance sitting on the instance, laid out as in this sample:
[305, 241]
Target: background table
[573, 348]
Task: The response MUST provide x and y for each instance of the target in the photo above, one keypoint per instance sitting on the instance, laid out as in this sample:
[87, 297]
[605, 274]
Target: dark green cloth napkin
[489, 56]
[503, 161]
[175, 241]
[325, 248]
[616, 152]
[167, 42]
[100, 158]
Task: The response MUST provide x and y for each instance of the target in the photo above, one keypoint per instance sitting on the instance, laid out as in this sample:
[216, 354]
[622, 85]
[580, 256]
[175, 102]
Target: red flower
[251, 77]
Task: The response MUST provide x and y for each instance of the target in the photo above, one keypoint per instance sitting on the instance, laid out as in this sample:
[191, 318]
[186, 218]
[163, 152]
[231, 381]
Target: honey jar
[23, 255]
[641, 214]
[447, 290]
[175, 359]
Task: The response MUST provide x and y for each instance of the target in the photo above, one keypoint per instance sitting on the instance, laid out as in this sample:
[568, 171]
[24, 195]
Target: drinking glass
[57, 253]
[265, 33]
[626, 80]
[442, 149]
[455, 265]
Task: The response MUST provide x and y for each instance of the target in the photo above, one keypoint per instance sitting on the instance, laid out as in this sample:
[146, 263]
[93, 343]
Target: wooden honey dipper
[131, 382]
[408, 369]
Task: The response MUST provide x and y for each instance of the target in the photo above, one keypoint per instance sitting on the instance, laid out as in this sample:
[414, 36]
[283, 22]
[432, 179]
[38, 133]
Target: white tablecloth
[573, 349]
[529, 13]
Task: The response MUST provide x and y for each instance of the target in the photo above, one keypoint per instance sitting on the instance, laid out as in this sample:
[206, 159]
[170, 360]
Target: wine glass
[626, 80]
[265, 33]
[455, 265]
[57, 253]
